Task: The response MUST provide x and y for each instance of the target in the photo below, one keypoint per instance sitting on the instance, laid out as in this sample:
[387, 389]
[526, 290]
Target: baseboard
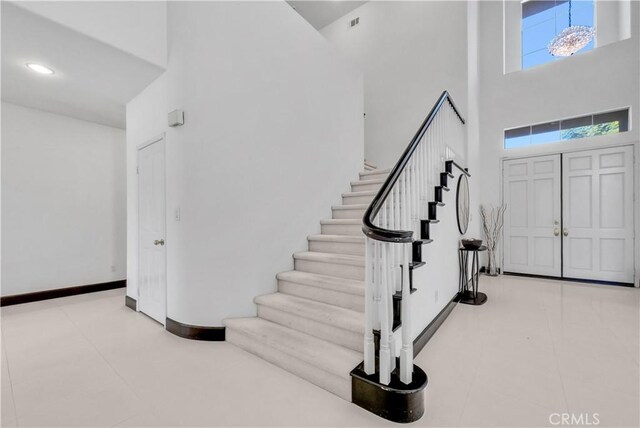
[585, 281]
[130, 303]
[194, 332]
[428, 332]
[17, 299]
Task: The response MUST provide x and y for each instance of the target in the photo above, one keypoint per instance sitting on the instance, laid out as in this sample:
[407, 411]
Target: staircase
[335, 318]
[313, 326]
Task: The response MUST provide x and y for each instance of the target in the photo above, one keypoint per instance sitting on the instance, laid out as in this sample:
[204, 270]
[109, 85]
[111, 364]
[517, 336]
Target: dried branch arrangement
[492, 223]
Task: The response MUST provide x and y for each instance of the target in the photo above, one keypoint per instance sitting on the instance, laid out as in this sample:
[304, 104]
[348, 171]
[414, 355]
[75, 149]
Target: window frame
[581, 4]
[622, 114]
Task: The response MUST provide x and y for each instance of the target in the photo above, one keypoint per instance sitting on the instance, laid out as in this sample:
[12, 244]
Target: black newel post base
[395, 402]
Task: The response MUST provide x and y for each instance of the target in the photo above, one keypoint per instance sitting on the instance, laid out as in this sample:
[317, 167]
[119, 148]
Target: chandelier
[571, 39]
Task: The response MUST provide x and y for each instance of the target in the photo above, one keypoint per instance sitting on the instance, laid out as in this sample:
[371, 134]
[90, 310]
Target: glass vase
[492, 265]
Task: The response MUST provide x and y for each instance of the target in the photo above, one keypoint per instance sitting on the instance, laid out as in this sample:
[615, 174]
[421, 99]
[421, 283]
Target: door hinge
[137, 169]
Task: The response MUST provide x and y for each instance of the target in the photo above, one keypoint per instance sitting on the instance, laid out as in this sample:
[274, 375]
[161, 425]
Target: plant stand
[470, 295]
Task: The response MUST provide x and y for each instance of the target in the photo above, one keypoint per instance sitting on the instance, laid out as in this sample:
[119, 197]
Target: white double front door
[571, 215]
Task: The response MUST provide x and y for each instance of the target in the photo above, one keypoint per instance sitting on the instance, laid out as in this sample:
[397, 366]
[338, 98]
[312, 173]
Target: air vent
[354, 22]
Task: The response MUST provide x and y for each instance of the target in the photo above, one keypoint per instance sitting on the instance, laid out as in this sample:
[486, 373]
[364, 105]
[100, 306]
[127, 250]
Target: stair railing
[389, 225]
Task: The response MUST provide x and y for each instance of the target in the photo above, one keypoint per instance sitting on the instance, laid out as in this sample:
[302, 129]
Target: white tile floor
[536, 348]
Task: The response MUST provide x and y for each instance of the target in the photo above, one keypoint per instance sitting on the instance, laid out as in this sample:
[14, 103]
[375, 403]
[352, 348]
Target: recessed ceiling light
[38, 68]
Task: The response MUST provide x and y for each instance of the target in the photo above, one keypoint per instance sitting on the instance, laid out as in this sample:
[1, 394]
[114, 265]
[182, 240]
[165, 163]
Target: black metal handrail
[462, 169]
[387, 235]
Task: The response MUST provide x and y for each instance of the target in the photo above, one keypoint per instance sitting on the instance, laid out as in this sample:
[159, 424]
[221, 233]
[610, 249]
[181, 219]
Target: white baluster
[385, 352]
[414, 194]
[443, 145]
[423, 176]
[406, 352]
[432, 152]
[403, 203]
[408, 198]
[397, 226]
[376, 283]
[369, 305]
[419, 187]
[390, 291]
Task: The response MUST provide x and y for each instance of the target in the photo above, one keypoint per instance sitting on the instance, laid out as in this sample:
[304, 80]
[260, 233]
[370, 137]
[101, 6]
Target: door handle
[565, 232]
[158, 242]
[556, 232]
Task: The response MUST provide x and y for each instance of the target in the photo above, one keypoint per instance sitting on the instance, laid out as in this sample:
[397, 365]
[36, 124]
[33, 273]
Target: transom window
[568, 129]
[542, 20]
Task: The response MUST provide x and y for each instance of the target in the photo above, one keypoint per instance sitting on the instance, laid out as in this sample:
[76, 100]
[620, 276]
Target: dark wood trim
[17, 299]
[462, 177]
[396, 401]
[130, 303]
[585, 281]
[428, 332]
[195, 332]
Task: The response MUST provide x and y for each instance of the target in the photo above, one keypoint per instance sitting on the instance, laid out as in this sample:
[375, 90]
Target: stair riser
[325, 380]
[339, 336]
[342, 229]
[354, 200]
[362, 187]
[379, 176]
[331, 269]
[348, 214]
[337, 247]
[319, 294]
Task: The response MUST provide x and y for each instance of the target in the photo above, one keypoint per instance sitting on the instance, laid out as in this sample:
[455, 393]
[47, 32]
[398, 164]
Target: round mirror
[462, 204]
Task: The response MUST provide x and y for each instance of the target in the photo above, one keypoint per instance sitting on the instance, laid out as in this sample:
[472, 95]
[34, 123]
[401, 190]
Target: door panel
[532, 194]
[598, 214]
[151, 212]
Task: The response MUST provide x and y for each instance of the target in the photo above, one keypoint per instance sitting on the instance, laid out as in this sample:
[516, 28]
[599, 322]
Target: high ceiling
[321, 13]
[93, 81]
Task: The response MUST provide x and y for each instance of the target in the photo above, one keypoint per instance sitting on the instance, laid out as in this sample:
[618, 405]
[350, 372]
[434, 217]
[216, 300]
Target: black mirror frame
[466, 225]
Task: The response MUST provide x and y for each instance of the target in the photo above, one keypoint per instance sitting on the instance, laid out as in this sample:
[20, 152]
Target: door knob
[556, 232]
[565, 232]
[158, 242]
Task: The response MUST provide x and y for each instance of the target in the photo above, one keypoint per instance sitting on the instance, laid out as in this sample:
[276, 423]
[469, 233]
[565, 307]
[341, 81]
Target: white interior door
[152, 293]
[598, 214]
[532, 239]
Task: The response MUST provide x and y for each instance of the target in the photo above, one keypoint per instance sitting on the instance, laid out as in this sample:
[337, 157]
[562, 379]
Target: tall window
[542, 20]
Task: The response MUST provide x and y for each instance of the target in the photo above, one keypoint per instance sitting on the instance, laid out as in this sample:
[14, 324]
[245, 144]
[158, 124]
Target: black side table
[466, 295]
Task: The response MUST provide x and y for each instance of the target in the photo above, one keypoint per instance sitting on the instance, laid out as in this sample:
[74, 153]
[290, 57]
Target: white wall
[63, 201]
[409, 52]
[136, 27]
[273, 134]
[603, 79]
